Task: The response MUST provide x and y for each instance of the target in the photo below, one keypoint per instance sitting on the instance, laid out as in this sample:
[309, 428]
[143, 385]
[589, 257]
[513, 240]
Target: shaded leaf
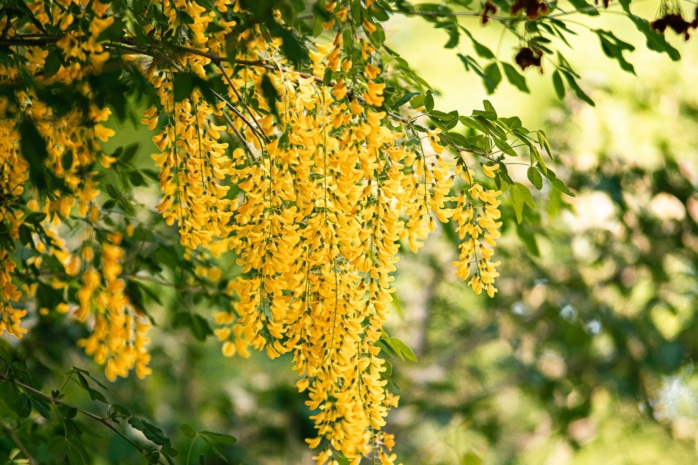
[494, 77]
[558, 85]
[515, 78]
[188, 431]
[218, 438]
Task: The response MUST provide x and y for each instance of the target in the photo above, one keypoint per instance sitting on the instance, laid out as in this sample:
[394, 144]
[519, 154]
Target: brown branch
[87, 413]
[37, 40]
[11, 433]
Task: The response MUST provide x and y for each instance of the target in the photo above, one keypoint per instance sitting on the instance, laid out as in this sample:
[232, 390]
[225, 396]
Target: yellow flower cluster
[476, 217]
[73, 148]
[119, 336]
[319, 189]
[192, 164]
[327, 192]
[10, 317]
[83, 53]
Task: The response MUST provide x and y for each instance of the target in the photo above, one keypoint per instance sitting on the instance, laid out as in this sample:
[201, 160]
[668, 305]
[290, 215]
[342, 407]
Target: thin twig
[232, 124]
[11, 433]
[445, 14]
[241, 100]
[88, 414]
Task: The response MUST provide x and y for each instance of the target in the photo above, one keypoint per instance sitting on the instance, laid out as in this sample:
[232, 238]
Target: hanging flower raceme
[476, 217]
[50, 161]
[10, 317]
[119, 333]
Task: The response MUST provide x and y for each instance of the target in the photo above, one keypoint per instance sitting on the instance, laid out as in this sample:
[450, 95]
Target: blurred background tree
[586, 355]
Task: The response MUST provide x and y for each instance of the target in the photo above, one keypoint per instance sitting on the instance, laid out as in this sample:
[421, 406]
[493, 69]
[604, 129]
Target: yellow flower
[490, 170]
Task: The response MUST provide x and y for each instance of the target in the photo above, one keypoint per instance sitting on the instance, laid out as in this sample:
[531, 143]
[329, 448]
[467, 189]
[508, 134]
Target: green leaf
[504, 146]
[119, 410]
[199, 327]
[184, 17]
[150, 431]
[52, 63]
[169, 451]
[494, 77]
[188, 431]
[429, 101]
[404, 99]
[270, 94]
[23, 406]
[67, 160]
[457, 139]
[136, 178]
[535, 177]
[126, 154]
[320, 16]
[520, 196]
[41, 405]
[469, 62]
[481, 50]
[290, 45]
[34, 151]
[489, 108]
[451, 28]
[558, 85]
[489, 114]
[183, 85]
[96, 395]
[583, 7]
[543, 142]
[25, 235]
[400, 349]
[153, 457]
[613, 47]
[524, 232]
[218, 438]
[562, 187]
[72, 428]
[35, 218]
[515, 78]
[417, 101]
[577, 90]
[443, 117]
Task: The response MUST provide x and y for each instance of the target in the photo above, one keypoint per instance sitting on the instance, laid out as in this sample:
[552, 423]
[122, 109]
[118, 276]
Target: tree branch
[55, 401]
[11, 433]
